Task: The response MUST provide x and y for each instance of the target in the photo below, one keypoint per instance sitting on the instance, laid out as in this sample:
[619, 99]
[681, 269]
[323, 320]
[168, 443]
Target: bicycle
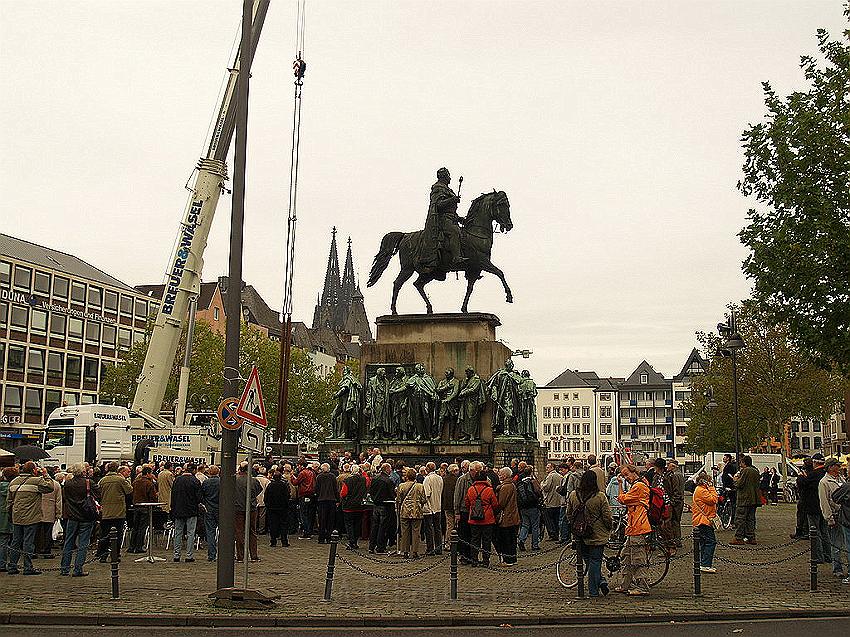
[725, 512]
[658, 558]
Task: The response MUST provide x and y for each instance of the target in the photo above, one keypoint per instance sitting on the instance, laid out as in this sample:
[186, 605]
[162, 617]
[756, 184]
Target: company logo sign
[23, 299]
[180, 258]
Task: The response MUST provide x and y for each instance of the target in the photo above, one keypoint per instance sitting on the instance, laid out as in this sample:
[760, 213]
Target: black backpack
[525, 496]
[841, 496]
[579, 525]
[476, 511]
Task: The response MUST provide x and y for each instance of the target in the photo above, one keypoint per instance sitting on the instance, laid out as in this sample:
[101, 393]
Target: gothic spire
[348, 286]
[330, 292]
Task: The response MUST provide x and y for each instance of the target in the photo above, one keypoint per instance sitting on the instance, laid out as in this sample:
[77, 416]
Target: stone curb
[270, 621]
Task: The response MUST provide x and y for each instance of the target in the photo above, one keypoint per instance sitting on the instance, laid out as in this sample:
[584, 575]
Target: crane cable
[299, 68]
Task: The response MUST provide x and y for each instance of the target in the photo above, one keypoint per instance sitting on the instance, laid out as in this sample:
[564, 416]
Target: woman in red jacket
[482, 504]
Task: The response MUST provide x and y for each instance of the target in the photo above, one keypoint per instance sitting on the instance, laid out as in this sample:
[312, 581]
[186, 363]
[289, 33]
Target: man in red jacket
[482, 504]
[305, 482]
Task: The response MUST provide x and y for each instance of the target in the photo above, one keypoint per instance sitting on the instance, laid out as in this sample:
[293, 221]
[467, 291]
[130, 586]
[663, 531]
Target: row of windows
[577, 412]
[42, 323]
[804, 426]
[577, 446]
[554, 429]
[807, 443]
[35, 402]
[602, 396]
[58, 365]
[657, 396]
[64, 289]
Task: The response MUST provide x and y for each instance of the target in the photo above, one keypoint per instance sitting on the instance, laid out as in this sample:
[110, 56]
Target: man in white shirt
[431, 510]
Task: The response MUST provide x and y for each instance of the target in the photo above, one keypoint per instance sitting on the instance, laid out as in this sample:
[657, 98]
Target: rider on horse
[440, 247]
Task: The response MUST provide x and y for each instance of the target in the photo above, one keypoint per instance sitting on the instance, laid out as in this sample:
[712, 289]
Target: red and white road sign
[251, 406]
[227, 414]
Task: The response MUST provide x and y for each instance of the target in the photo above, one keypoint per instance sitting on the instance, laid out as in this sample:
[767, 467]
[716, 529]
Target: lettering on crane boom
[181, 257]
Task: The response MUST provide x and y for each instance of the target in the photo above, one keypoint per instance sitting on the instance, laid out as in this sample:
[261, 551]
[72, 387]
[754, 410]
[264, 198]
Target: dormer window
[644, 379]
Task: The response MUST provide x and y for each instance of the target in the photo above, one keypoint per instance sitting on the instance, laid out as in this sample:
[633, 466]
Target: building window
[586, 428]
[78, 292]
[124, 336]
[110, 300]
[19, 318]
[141, 309]
[576, 412]
[23, 278]
[57, 325]
[556, 412]
[576, 445]
[816, 425]
[74, 369]
[605, 412]
[39, 321]
[805, 425]
[556, 397]
[126, 305]
[17, 354]
[92, 332]
[12, 400]
[556, 447]
[95, 296]
[547, 430]
[60, 287]
[795, 426]
[606, 445]
[215, 317]
[547, 413]
[109, 333]
[138, 337]
[807, 444]
[71, 399]
[5, 273]
[42, 283]
[4, 314]
[33, 402]
[605, 396]
[88, 399]
[75, 329]
[585, 445]
[575, 396]
[556, 429]
[52, 400]
[585, 412]
[576, 429]
[35, 362]
[605, 428]
[818, 442]
[548, 446]
[90, 369]
[644, 379]
[54, 365]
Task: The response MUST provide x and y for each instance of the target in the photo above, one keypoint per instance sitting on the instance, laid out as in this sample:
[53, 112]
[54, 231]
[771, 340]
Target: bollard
[329, 582]
[579, 570]
[813, 540]
[114, 557]
[453, 567]
[697, 563]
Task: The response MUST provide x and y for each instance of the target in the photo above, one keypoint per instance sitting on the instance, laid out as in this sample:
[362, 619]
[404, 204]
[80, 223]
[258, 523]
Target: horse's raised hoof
[509, 298]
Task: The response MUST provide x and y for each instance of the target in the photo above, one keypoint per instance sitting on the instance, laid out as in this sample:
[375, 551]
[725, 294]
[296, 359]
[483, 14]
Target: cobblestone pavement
[748, 579]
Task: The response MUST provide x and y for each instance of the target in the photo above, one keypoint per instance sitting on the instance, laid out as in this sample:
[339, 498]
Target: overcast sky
[613, 127]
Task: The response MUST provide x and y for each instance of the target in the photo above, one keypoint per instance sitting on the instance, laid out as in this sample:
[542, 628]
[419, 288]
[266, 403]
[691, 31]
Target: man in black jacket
[351, 496]
[382, 492]
[807, 484]
[185, 506]
[209, 497]
[81, 518]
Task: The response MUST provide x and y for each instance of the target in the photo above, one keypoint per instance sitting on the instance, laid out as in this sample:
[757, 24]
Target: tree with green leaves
[776, 382]
[797, 168]
[310, 396]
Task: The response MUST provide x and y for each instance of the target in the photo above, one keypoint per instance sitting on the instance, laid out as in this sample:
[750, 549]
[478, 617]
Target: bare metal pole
[233, 310]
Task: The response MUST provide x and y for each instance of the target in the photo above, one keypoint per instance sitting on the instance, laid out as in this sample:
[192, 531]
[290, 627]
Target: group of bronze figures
[414, 407]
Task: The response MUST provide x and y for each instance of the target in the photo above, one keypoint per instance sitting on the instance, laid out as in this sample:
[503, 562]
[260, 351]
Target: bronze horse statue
[489, 209]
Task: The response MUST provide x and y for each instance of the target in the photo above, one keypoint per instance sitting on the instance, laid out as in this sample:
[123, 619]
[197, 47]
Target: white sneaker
[707, 569]
[846, 580]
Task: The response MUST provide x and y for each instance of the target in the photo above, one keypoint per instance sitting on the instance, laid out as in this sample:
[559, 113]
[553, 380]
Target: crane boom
[184, 274]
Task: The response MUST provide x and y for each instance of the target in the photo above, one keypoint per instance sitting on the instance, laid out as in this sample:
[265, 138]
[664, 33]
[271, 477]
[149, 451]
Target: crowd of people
[383, 506]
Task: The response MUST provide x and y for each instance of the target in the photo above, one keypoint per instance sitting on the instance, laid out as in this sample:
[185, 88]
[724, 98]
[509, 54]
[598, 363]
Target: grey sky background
[613, 127]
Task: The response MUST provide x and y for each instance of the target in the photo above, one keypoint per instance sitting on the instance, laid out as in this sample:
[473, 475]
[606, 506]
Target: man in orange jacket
[638, 530]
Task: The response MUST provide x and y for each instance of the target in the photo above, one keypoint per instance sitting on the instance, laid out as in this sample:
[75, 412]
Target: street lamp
[731, 344]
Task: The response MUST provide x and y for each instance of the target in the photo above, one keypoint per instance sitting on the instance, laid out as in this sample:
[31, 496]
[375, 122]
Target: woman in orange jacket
[704, 510]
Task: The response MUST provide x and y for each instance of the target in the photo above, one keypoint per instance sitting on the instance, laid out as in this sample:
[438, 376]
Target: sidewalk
[172, 594]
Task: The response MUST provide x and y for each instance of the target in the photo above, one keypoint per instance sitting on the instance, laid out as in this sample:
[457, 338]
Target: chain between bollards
[813, 540]
[697, 563]
[453, 567]
[329, 582]
[115, 558]
[579, 569]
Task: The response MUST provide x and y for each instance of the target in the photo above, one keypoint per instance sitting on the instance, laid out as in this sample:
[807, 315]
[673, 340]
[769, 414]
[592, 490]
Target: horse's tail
[389, 246]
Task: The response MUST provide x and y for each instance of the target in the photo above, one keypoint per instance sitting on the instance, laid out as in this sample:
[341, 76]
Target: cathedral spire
[330, 291]
[346, 292]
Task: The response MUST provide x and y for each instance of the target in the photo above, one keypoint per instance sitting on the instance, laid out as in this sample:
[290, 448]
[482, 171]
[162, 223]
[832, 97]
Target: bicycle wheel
[658, 561]
[565, 569]
[725, 513]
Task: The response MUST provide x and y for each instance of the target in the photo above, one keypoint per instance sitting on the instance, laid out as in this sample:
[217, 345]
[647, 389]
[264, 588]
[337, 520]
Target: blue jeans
[307, 513]
[77, 534]
[564, 524]
[210, 527]
[593, 564]
[23, 538]
[189, 525]
[530, 522]
[5, 546]
[707, 544]
[836, 539]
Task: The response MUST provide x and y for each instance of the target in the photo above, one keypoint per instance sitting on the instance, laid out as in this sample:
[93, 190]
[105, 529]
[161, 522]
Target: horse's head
[500, 211]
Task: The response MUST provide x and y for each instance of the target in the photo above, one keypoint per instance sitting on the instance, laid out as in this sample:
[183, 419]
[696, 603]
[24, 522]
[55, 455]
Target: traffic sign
[251, 406]
[227, 417]
[253, 438]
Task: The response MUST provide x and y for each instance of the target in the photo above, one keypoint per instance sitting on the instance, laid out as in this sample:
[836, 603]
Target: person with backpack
[529, 498]
[483, 505]
[827, 487]
[638, 530]
[590, 525]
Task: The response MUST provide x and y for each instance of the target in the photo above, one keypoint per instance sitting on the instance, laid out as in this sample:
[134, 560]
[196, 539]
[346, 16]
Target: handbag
[91, 507]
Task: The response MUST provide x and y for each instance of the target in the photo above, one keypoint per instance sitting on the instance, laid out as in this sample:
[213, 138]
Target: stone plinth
[430, 328]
